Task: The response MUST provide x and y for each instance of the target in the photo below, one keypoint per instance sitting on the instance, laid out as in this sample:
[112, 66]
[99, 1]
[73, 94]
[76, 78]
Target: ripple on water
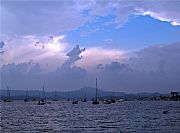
[62, 116]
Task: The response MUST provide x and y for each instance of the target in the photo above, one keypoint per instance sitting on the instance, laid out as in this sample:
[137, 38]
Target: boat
[34, 99]
[75, 102]
[55, 97]
[42, 101]
[26, 99]
[107, 101]
[84, 100]
[68, 96]
[96, 99]
[139, 97]
[165, 111]
[113, 99]
[120, 100]
[8, 98]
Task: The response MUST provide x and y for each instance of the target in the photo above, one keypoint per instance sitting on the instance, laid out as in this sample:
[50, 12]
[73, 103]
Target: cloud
[151, 58]
[163, 10]
[97, 55]
[45, 17]
[1, 52]
[153, 69]
[116, 67]
[30, 75]
[2, 44]
[40, 17]
[22, 49]
[19, 75]
[74, 55]
[51, 53]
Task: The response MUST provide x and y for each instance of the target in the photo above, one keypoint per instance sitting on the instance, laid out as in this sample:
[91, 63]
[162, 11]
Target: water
[62, 116]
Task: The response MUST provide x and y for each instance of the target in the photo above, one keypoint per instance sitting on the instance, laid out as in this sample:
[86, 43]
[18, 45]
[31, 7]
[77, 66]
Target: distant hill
[87, 92]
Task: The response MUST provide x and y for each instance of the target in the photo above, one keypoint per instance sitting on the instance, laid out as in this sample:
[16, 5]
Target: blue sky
[138, 32]
[128, 44]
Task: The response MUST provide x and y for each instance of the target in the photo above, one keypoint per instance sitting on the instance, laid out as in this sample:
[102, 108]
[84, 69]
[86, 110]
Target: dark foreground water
[62, 117]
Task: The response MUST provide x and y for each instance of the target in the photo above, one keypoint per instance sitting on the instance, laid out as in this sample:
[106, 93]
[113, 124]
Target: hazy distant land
[87, 92]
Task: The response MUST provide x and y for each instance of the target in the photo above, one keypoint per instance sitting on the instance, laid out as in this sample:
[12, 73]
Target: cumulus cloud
[155, 68]
[97, 55]
[31, 75]
[51, 53]
[116, 67]
[22, 49]
[19, 76]
[157, 56]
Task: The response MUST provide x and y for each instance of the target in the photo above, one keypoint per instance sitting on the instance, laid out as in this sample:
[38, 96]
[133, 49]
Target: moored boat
[96, 99]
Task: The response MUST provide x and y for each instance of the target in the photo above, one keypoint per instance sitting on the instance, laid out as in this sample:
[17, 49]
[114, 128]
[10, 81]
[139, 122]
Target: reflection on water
[61, 116]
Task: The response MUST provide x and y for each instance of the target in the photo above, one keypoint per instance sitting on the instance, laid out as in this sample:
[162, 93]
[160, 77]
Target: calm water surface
[62, 116]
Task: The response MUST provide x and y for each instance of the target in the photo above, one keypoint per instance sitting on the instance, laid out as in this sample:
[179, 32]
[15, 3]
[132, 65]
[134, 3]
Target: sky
[129, 45]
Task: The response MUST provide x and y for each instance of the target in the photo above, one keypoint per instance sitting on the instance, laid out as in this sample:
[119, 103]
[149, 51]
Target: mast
[113, 95]
[26, 94]
[55, 96]
[96, 100]
[138, 94]
[44, 97]
[39, 95]
[85, 94]
[96, 88]
[33, 97]
[8, 93]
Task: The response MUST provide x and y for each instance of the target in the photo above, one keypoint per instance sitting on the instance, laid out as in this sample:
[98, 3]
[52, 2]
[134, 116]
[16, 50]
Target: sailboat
[26, 99]
[42, 101]
[84, 100]
[55, 96]
[68, 96]
[34, 99]
[139, 97]
[113, 99]
[8, 98]
[96, 99]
